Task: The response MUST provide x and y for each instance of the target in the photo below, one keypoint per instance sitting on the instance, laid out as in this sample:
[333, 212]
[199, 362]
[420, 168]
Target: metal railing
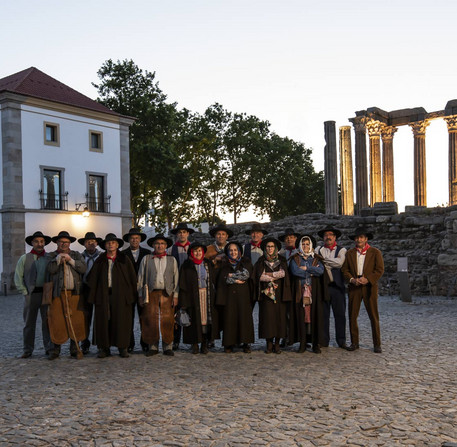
[53, 201]
[98, 205]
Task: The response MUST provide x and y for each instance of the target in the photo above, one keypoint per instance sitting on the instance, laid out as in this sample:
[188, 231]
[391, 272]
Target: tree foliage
[190, 166]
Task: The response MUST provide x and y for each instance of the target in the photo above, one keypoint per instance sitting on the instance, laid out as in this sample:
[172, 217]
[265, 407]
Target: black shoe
[377, 349]
[169, 352]
[246, 348]
[123, 353]
[316, 349]
[103, 353]
[175, 346]
[195, 348]
[151, 352]
[343, 346]
[228, 349]
[74, 353]
[130, 349]
[269, 349]
[204, 348]
[302, 348]
[26, 355]
[210, 344]
[53, 355]
[352, 347]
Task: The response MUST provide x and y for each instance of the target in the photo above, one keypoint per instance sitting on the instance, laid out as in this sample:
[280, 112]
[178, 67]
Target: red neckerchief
[363, 251]
[290, 250]
[178, 244]
[155, 255]
[332, 247]
[255, 244]
[113, 258]
[195, 260]
[38, 255]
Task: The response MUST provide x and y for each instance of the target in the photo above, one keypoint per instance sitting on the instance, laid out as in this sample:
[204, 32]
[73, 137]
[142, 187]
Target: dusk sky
[294, 63]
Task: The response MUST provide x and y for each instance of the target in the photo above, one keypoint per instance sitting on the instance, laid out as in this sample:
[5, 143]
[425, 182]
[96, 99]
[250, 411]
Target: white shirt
[360, 263]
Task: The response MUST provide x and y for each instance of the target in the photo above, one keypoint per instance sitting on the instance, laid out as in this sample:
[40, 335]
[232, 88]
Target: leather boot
[204, 347]
[269, 349]
[195, 348]
[302, 347]
[277, 348]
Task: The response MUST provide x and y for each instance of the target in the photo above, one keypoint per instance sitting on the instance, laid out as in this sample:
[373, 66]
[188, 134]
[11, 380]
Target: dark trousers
[338, 305]
[32, 306]
[371, 306]
[144, 345]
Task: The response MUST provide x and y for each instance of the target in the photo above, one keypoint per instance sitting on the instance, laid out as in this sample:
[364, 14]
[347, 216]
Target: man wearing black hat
[215, 252]
[362, 269]
[252, 249]
[90, 254]
[135, 253]
[289, 238]
[66, 268]
[159, 273]
[29, 278]
[179, 251]
[113, 290]
[333, 256]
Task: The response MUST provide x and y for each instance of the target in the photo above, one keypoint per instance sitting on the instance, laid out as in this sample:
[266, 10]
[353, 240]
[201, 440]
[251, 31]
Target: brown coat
[373, 269]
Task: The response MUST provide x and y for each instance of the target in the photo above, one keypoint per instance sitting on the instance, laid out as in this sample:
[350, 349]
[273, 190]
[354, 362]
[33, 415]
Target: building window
[51, 192]
[51, 134]
[97, 200]
[95, 141]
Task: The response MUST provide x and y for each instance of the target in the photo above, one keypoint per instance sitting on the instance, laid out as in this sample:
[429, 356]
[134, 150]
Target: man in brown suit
[362, 269]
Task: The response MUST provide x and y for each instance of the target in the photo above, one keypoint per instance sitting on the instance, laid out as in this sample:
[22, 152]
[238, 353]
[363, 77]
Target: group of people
[198, 292]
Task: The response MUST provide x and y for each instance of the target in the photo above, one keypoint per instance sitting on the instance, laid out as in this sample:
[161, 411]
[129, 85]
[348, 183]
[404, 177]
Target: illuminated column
[361, 177]
[346, 176]
[452, 129]
[420, 172]
[388, 185]
[331, 171]
[374, 132]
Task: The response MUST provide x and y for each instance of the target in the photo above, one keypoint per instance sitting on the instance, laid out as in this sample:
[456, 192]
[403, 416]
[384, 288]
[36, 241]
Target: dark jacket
[143, 253]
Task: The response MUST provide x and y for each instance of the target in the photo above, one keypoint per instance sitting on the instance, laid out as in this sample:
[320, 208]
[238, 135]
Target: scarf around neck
[363, 250]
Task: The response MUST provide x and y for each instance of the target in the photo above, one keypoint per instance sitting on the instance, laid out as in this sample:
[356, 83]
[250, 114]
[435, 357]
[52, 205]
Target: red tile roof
[33, 82]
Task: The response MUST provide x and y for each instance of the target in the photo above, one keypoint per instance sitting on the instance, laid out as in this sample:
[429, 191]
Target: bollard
[403, 280]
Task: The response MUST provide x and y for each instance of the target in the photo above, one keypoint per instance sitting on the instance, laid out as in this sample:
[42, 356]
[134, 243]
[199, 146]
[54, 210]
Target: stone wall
[426, 236]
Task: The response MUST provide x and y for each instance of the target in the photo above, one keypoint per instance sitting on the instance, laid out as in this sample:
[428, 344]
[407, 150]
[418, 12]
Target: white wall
[73, 155]
[52, 223]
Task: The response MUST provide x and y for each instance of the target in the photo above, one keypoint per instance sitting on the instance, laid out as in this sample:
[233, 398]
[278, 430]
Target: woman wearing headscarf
[307, 271]
[196, 297]
[271, 278]
[235, 293]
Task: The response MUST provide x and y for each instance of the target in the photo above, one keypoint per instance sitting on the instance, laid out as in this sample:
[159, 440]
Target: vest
[168, 274]
[30, 271]
[176, 255]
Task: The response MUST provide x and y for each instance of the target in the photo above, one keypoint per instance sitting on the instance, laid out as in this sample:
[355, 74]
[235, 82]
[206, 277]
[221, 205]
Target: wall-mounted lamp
[85, 212]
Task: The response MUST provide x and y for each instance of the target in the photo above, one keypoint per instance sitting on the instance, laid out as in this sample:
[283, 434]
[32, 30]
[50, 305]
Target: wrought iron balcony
[53, 201]
[98, 205]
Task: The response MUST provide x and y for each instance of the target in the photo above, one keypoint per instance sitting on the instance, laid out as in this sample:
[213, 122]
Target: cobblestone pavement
[405, 396]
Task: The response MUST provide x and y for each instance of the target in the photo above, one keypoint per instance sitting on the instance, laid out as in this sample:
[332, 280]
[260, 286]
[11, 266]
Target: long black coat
[272, 316]
[189, 299]
[319, 294]
[237, 301]
[113, 313]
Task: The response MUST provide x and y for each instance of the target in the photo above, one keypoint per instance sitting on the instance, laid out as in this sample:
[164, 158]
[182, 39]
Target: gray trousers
[32, 305]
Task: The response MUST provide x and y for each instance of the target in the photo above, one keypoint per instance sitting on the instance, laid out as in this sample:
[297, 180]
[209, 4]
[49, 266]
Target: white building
[62, 152]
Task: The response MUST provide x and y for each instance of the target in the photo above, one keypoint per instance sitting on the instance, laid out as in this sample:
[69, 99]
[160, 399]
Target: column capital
[374, 128]
[451, 122]
[387, 132]
[359, 123]
[419, 127]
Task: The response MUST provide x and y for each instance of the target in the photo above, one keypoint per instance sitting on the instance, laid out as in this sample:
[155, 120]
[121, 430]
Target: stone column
[388, 185]
[346, 176]
[13, 210]
[125, 174]
[361, 177]
[374, 132]
[420, 172]
[331, 172]
[452, 129]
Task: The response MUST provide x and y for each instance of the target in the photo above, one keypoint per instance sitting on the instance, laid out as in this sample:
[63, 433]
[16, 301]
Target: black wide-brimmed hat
[361, 231]
[311, 238]
[221, 227]
[132, 232]
[90, 235]
[195, 245]
[29, 239]
[182, 226]
[151, 240]
[288, 232]
[335, 231]
[111, 237]
[256, 227]
[238, 244]
[63, 235]
[270, 239]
